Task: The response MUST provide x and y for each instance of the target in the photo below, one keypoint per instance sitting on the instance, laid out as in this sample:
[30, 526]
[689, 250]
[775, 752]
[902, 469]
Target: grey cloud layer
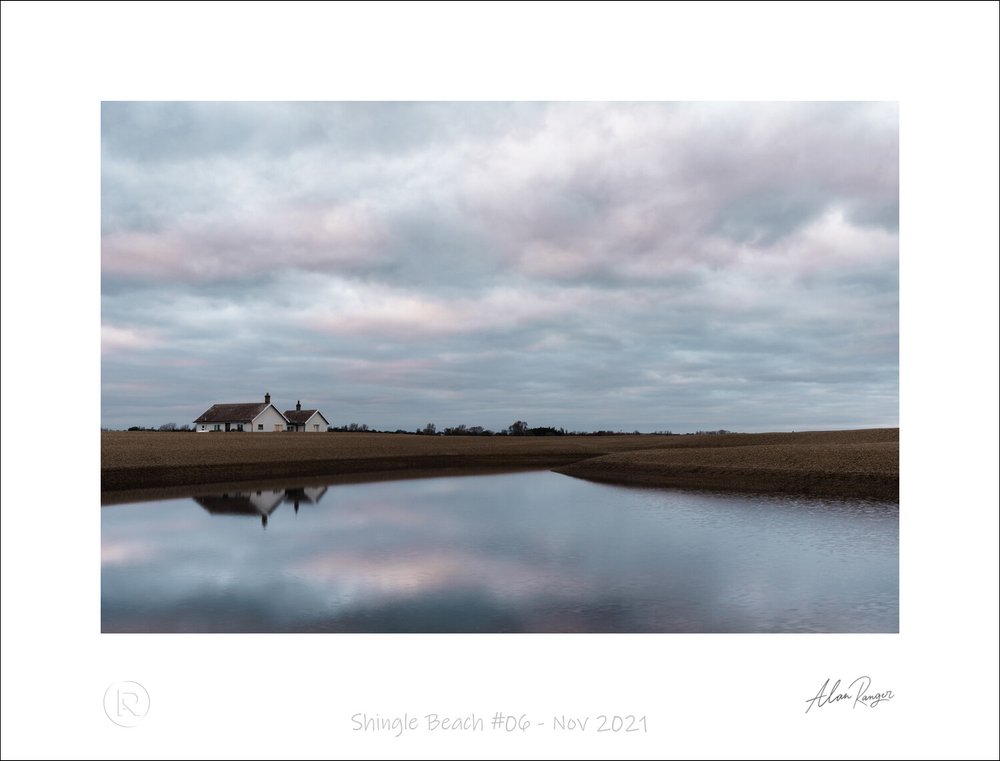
[589, 265]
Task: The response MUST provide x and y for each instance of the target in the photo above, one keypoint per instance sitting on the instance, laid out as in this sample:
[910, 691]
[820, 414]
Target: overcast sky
[650, 266]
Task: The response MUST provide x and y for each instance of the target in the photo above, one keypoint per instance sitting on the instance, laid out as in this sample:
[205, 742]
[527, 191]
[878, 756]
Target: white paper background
[703, 696]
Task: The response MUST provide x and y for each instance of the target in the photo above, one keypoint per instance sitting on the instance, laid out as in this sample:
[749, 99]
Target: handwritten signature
[861, 695]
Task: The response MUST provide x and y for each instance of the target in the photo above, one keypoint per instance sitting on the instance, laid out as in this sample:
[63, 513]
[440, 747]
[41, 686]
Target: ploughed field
[861, 463]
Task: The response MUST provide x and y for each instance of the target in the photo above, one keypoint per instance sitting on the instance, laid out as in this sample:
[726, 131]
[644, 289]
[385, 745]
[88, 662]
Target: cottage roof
[299, 416]
[233, 413]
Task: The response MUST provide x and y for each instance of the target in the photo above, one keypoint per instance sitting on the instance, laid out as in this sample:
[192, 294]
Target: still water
[520, 552]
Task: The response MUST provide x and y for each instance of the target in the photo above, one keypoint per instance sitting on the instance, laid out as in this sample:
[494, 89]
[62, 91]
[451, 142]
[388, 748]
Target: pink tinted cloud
[829, 243]
[115, 339]
[633, 192]
[378, 310]
[386, 371]
[318, 237]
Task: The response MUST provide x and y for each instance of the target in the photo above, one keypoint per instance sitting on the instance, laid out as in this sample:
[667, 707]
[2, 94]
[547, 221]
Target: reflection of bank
[259, 503]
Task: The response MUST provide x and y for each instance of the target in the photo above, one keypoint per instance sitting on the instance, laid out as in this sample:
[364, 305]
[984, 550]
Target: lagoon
[516, 552]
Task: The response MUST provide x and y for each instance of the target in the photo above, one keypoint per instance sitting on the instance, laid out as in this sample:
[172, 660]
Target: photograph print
[500, 367]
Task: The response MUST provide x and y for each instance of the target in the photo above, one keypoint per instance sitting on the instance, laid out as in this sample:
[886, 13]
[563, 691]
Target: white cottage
[306, 420]
[249, 417]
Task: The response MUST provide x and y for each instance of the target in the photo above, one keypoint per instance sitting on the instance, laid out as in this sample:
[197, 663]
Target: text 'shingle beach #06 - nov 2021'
[500, 367]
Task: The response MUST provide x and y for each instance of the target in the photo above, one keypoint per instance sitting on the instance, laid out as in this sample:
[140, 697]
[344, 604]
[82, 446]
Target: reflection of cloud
[384, 514]
[361, 575]
[535, 552]
[125, 552]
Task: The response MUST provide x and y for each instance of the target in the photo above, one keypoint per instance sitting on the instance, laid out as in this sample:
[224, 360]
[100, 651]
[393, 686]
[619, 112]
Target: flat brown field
[861, 463]
[864, 469]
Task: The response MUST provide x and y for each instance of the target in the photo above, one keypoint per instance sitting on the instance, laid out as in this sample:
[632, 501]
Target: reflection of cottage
[305, 494]
[261, 503]
[305, 420]
[250, 416]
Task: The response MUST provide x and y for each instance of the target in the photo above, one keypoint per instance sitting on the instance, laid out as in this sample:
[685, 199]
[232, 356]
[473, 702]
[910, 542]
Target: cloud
[359, 308]
[116, 339]
[337, 237]
[634, 265]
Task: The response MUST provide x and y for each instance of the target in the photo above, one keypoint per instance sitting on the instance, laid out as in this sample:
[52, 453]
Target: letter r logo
[126, 703]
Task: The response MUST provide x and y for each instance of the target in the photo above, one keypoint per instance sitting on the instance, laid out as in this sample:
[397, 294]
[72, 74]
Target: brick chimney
[267, 398]
[298, 406]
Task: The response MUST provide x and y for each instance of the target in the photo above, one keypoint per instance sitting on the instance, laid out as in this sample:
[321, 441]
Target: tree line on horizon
[517, 428]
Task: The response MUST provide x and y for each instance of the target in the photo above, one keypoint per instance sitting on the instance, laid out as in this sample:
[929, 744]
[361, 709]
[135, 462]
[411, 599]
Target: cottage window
[260, 426]
[217, 427]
